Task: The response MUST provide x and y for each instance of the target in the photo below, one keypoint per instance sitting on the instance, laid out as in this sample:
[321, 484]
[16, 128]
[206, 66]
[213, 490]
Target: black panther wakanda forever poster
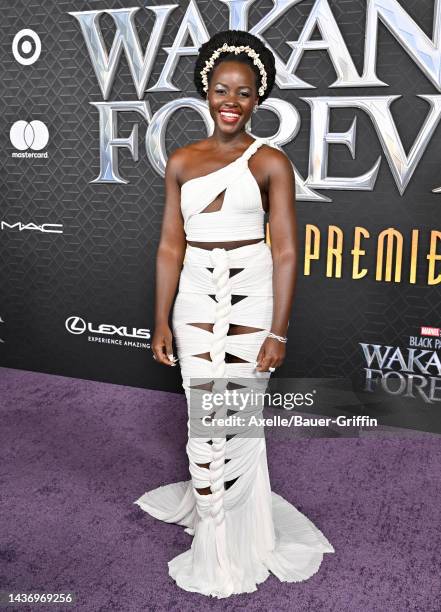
[220, 322]
[95, 97]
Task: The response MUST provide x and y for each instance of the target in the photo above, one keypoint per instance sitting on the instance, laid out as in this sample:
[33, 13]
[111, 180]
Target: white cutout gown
[241, 533]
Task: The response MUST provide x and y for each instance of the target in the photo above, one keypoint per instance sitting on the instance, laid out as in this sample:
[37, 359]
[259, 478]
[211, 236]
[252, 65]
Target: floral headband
[225, 48]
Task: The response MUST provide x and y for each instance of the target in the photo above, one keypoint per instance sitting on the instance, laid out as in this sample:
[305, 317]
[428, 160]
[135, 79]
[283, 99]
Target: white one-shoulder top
[241, 216]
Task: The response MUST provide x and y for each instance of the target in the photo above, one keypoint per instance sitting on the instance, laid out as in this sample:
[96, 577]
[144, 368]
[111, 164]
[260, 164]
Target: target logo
[26, 47]
[29, 135]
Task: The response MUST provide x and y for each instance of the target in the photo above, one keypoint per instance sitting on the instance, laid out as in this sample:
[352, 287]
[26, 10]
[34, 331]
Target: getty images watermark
[243, 407]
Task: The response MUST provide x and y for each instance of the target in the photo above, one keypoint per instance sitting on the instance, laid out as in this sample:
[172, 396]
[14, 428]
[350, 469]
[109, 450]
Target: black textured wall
[101, 268]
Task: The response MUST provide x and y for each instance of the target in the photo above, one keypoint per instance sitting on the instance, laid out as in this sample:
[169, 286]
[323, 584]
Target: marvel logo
[430, 331]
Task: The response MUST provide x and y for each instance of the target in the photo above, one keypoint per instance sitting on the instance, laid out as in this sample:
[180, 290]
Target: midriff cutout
[235, 244]
[215, 205]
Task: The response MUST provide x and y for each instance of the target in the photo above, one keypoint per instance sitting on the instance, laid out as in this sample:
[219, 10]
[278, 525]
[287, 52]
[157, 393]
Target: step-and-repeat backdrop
[95, 95]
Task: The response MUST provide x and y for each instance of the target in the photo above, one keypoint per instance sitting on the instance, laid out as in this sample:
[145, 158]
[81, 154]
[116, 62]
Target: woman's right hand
[162, 346]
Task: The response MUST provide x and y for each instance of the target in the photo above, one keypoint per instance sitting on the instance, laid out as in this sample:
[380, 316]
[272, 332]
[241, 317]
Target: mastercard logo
[29, 135]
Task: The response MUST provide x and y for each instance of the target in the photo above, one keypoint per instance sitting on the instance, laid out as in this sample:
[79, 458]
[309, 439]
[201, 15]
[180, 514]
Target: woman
[230, 321]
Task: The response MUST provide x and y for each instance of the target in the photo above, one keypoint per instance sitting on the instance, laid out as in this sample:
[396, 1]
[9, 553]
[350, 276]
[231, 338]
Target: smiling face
[232, 94]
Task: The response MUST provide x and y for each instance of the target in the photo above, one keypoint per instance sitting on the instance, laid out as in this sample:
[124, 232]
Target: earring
[255, 108]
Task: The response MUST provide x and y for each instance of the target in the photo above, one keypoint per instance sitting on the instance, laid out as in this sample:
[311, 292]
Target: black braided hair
[237, 38]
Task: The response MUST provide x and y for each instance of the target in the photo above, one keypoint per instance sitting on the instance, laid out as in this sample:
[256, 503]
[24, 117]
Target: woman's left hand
[271, 354]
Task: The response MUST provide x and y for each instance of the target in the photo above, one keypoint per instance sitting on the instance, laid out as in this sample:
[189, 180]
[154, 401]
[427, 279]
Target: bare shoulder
[276, 162]
[200, 146]
[276, 159]
[181, 157]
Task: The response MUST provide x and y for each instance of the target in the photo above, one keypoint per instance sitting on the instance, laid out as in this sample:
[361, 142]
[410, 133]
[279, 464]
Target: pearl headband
[225, 48]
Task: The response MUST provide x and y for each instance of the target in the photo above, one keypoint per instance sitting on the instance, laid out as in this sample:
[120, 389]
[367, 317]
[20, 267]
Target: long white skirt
[243, 531]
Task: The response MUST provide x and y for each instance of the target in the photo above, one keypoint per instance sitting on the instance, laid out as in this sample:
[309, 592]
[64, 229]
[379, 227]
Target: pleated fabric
[244, 531]
[241, 216]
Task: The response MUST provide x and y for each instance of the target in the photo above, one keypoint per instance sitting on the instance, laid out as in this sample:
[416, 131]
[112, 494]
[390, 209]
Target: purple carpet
[76, 454]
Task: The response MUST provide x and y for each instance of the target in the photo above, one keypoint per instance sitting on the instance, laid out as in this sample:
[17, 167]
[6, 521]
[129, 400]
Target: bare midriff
[224, 245]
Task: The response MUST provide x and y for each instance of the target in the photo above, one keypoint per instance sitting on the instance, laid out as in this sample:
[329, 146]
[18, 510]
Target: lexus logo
[77, 325]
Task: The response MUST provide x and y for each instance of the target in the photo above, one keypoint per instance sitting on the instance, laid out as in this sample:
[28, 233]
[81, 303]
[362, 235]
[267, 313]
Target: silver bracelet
[283, 339]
